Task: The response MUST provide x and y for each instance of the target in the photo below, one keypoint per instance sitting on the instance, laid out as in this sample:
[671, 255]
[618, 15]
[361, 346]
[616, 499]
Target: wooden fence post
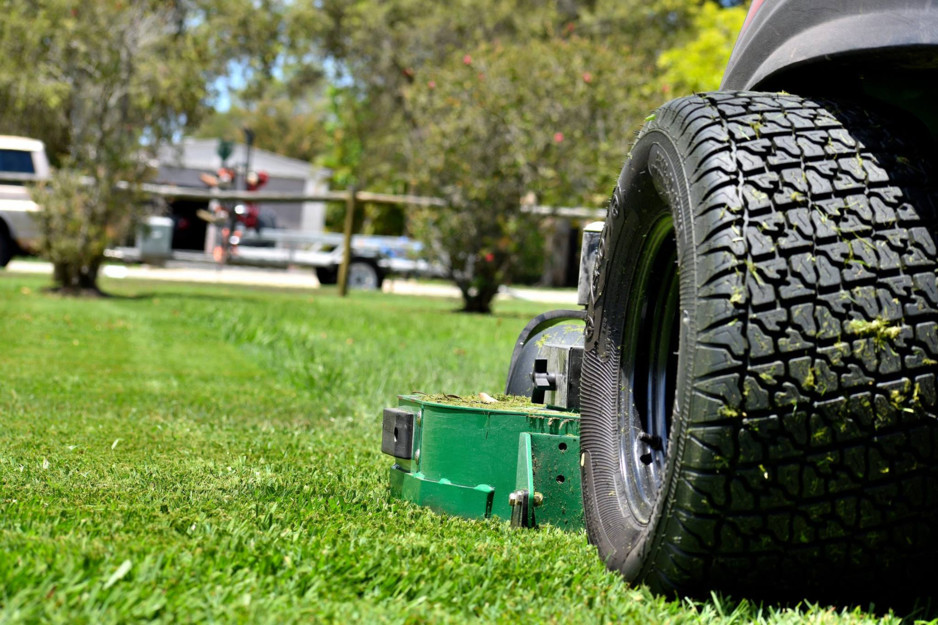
[351, 204]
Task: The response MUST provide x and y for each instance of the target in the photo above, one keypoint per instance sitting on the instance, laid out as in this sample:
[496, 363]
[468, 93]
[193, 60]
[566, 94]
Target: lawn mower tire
[759, 378]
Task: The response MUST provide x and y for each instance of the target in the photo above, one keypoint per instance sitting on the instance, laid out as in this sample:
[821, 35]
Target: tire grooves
[851, 465]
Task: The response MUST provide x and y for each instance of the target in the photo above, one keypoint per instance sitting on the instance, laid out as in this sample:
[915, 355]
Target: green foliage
[546, 114]
[697, 64]
[103, 87]
[488, 102]
[361, 152]
[182, 454]
[99, 75]
[77, 222]
[503, 120]
[278, 124]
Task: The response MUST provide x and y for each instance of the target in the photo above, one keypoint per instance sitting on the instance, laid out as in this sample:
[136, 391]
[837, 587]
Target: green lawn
[181, 453]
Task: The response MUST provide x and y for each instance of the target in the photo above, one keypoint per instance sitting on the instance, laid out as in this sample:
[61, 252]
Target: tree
[280, 125]
[108, 83]
[697, 64]
[505, 121]
[544, 104]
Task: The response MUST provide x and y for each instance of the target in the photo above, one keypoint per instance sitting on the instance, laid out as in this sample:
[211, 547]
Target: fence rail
[272, 197]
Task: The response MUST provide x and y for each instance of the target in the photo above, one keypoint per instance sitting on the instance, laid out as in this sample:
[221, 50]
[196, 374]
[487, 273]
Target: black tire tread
[811, 449]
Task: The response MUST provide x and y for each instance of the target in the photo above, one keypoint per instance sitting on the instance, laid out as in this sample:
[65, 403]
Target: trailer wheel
[364, 275]
[758, 390]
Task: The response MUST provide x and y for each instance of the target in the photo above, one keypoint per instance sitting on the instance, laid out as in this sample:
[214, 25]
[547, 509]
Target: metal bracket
[543, 381]
[556, 376]
[397, 433]
[557, 327]
[547, 467]
[522, 508]
[588, 253]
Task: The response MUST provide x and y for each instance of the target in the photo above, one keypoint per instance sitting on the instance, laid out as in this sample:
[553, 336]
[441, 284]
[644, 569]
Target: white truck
[22, 160]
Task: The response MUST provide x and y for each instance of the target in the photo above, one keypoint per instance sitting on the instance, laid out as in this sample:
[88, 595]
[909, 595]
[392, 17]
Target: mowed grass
[210, 454]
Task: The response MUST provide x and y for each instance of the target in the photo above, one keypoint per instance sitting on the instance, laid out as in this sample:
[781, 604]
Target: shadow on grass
[909, 610]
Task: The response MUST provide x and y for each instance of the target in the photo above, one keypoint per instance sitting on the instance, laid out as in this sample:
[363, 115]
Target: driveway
[181, 272]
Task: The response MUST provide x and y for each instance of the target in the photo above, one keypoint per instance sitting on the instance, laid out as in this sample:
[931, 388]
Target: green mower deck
[517, 462]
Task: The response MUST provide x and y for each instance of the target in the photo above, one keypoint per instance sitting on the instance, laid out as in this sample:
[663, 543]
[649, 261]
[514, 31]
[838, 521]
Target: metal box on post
[154, 240]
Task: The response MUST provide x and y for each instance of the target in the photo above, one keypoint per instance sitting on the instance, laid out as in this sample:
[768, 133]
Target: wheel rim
[362, 276]
[648, 369]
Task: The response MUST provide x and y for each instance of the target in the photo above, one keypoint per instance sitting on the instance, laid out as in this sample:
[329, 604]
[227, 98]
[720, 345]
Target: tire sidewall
[654, 170]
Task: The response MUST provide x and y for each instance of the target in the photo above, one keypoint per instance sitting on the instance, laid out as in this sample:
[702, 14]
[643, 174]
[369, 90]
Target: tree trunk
[78, 280]
[478, 305]
[480, 280]
[478, 299]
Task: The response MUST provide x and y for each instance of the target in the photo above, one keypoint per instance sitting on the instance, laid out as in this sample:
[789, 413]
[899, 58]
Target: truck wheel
[758, 389]
[6, 246]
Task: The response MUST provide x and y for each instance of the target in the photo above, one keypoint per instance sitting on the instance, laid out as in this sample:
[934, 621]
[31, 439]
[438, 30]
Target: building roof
[202, 154]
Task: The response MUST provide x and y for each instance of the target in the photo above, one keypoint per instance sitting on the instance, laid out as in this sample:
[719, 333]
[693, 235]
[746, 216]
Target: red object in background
[226, 176]
[221, 179]
[254, 181]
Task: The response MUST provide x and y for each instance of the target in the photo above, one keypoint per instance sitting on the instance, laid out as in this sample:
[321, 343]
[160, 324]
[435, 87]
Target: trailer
[372, 257]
